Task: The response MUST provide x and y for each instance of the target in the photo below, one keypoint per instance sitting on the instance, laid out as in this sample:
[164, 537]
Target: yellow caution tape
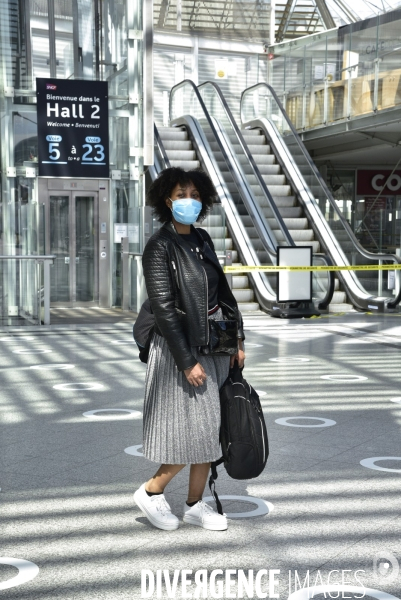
[273, 269]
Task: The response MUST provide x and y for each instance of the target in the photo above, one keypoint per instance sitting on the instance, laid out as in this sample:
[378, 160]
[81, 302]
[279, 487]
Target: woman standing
[186, 287]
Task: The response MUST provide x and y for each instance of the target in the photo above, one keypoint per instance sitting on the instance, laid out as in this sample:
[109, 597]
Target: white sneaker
[205, 516]
[157, 509]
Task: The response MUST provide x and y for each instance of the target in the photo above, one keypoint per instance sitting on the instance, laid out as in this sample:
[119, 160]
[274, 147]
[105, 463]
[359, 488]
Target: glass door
[73, 236]
[85, 285]
[58, 216]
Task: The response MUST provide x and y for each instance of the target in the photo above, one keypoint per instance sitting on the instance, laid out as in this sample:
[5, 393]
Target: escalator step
[186, 165]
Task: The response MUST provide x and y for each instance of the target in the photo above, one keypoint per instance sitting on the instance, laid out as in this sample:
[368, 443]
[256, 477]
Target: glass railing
[260, 107]
[25, 290]
[344, 73]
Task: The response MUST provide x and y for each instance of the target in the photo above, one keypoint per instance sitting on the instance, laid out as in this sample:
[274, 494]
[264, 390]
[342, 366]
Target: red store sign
[370, 183]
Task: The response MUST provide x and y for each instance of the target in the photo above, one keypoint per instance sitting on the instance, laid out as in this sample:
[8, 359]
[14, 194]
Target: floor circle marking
[310, 592]
[16, 339]
[27, 571]
[344, 378]
[67, 387]
[263, 507]
[249, 345]
[370, 463]
[260, 393]
[289, 359]
[323, 422]
[128, 414]
[121, 342]
[29, 351]
[396, 400]
[134, 450]
[50, 367]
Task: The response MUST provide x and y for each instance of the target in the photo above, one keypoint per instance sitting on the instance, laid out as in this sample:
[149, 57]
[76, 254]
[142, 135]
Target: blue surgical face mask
[186, 210]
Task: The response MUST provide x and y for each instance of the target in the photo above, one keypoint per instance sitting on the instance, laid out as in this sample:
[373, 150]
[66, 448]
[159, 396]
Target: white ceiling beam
[325, 14]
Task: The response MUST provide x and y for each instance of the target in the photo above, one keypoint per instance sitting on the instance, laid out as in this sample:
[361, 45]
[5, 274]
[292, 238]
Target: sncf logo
[51, 86]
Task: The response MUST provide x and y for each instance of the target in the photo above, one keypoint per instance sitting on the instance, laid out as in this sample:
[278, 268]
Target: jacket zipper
[176, 274]
[198, 254]
[207, 305]
[263, 439]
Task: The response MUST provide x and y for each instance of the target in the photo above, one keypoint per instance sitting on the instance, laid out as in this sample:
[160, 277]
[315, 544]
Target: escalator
[196, 136]
[263, 114]
[179, 152]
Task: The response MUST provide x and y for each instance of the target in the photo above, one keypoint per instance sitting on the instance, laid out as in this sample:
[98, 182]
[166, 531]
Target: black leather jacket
[177, 288]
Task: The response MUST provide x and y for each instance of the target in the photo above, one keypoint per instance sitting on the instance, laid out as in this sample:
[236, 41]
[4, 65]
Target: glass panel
[25, 139]
[60, 246]
[23, 307]
[362, 81]
[336, 78]
[316, 67]
[40, 55]
[85, 248]
[295, 67]
[232, 73]
[389, 52]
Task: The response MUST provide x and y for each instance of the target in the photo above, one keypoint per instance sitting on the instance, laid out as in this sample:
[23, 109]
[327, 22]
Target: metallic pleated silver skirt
[181, 422]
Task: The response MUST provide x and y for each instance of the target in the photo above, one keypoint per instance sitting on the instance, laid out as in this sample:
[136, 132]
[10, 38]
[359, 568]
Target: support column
[272, 36]
[52, 39]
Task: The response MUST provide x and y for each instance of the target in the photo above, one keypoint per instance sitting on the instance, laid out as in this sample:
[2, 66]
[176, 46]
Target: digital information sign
[73, 128]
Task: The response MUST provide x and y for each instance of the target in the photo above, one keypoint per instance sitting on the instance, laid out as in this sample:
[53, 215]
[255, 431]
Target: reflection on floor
[89, 316]
[67, 481]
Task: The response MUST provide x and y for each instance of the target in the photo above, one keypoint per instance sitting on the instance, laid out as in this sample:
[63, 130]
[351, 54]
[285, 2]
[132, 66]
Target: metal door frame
[103, 228]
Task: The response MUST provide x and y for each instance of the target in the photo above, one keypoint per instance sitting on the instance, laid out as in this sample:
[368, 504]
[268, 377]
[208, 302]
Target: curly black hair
[162, 188]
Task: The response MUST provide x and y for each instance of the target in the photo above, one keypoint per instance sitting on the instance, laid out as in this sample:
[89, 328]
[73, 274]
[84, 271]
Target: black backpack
[243, 434]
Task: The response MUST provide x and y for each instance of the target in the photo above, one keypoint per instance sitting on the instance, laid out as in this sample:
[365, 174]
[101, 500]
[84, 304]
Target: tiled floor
[66, 500]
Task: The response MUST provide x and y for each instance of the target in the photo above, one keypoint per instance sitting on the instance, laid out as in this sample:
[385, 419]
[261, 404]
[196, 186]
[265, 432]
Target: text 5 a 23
[91, 152]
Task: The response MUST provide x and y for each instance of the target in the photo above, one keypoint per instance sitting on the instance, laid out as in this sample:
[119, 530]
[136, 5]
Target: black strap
[212, 484]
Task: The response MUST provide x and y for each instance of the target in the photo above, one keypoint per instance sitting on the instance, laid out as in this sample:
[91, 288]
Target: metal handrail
[37, 257]
[356, 244]
[251, 160]
[161, 148]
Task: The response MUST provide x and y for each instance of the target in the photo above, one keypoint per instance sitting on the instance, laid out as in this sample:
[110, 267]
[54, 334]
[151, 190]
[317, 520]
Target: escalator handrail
[295, 176]
[258, 219]
[323, 304]
[360, 297]
[357, 245]
[251, 160]
[161, 148]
